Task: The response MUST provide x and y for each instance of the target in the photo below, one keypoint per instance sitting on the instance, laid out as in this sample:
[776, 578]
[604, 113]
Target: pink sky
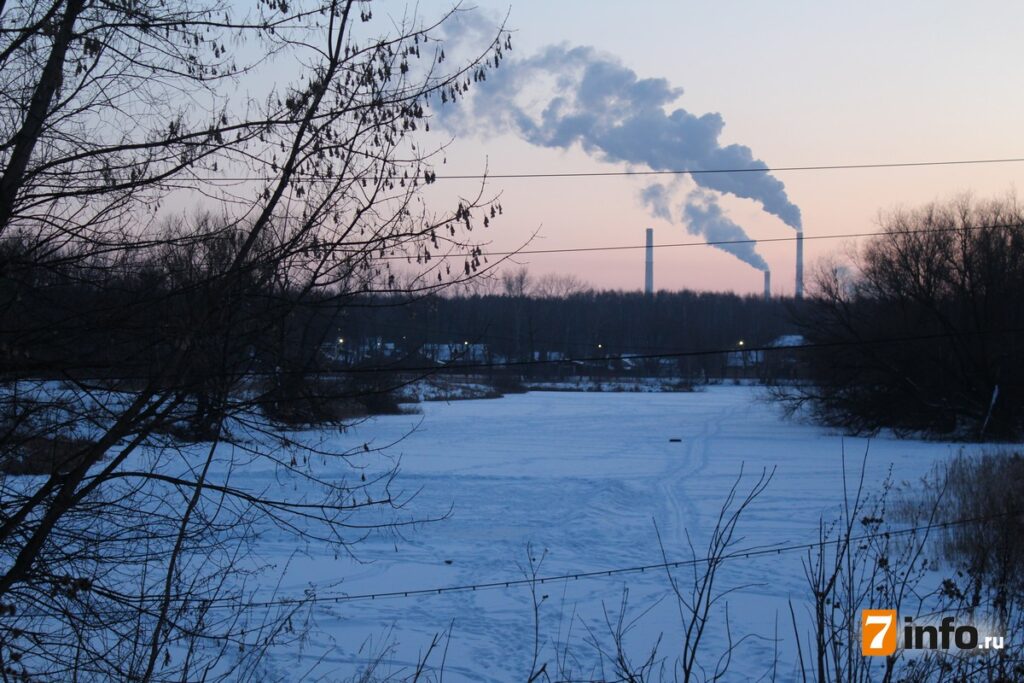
[798, 83]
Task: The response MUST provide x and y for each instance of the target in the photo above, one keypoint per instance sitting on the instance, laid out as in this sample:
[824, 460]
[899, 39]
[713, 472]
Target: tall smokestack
[767, 285]
[800, 264]
[649, 270]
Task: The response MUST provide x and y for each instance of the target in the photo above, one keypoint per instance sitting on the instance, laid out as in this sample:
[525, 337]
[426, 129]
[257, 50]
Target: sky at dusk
[798, 83]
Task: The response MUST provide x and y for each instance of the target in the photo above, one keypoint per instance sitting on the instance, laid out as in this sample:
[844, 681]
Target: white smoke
[657, 199]
[704, 217]
[618, 117]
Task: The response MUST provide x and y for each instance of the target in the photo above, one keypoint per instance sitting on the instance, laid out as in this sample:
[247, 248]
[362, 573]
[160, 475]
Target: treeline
[577, 325]
[124, 322]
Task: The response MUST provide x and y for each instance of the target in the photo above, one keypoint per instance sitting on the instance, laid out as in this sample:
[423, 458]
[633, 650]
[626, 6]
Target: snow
[583, 478]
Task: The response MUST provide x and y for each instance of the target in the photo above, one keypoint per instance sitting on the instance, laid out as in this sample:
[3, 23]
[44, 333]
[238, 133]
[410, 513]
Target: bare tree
[698, 599]
[517, 283]
[558, 286]
[858, 564]
[923, 334]
[125, 328]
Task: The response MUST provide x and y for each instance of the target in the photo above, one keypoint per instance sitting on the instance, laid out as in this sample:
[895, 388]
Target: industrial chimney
[767, 285]
[800, 264]
[649, 270]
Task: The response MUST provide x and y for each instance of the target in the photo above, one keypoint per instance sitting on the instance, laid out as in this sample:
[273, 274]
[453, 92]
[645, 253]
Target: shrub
[42, 455]
[298, 399]
[507, 383]
[988, 549]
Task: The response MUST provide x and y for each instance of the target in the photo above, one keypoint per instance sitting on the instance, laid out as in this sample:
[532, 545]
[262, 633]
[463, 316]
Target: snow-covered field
[583, 478]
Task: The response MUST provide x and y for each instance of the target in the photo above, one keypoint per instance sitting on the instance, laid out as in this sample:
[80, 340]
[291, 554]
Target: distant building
[455, 352]
[355, 351]
[788, 340]
[750, 358]
[744, 358]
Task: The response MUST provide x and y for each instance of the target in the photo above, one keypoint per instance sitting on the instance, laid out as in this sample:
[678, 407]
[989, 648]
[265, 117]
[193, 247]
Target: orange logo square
[878, 632]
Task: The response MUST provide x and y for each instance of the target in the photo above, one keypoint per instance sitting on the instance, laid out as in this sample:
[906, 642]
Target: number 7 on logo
[878, 632]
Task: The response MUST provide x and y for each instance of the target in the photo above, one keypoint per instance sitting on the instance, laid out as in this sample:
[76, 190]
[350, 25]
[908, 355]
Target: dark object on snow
[675, 440]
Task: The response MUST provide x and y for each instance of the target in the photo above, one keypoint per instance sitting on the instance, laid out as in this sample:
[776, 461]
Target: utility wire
[710, 243]
[369, 248]
[744, 554]
[692, 354]
[458, 366]
[684, 171]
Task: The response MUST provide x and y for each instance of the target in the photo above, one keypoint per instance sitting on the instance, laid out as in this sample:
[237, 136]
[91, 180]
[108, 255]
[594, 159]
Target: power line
[370, 247]
[765, 169]
[457, 338]
[698, 353]
[744, 554]
[398, 367]
[711, 243]
[675, 172]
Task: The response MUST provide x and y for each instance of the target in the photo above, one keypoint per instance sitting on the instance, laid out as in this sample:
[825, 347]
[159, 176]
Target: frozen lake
[584, 477]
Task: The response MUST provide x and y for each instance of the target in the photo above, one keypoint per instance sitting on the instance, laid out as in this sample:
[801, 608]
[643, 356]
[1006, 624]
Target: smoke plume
[657, 199]
[616, 116]
[703, 216]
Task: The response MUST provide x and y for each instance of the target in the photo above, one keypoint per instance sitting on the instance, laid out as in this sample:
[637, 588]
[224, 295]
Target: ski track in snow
[584, 477]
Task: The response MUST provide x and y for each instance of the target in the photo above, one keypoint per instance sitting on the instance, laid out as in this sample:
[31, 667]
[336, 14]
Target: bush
[295, 400]
[507, 383]
[41, 455]
[298, 400]
[988, 549]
